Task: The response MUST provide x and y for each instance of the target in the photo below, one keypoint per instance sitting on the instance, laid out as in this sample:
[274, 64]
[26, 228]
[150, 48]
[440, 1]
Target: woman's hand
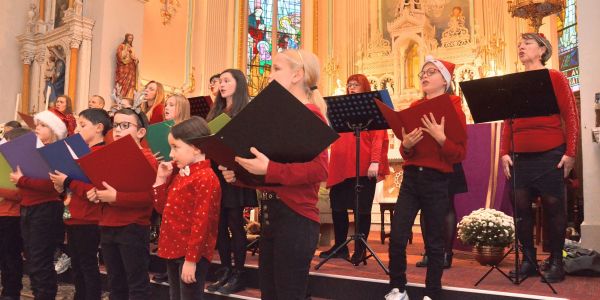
[109, 195]
[409, 140]
[506, 164]
[373, 170]
[568, 163]
[188, 272]
[228, 175]
[257, 165]
[435, 129]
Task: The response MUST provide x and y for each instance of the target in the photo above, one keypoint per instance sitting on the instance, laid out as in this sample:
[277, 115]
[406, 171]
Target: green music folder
[5, 170]
[157, 138]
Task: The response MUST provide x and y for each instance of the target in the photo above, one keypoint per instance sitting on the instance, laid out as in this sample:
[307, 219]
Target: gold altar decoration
[534, 10]
[168, 9]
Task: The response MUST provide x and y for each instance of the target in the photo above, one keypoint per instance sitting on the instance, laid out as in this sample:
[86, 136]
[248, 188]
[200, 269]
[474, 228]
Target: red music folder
[410, 119]
[121, 164]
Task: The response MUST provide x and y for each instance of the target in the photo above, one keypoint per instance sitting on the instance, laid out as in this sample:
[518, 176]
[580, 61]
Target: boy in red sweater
[189, 202]
[425, 185]
[11, 244]
[41, 214]
[83, 233]
[125, 221]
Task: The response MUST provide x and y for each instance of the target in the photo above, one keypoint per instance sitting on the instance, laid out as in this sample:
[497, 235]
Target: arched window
[568, 54]
[272, 25]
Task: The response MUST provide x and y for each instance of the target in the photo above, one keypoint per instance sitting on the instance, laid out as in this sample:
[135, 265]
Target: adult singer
[544, 155]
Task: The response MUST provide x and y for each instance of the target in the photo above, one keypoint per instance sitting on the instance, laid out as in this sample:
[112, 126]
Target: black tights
[341, 223]
[555, 220]
[449, 228]
[232, 221]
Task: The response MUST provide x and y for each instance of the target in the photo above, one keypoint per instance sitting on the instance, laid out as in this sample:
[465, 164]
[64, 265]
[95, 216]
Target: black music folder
[275, 123]
[512, 96]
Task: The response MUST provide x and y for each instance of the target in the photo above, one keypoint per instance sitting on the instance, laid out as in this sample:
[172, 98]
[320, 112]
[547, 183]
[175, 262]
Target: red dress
[541, 134]
[190, 205]
[158, 114]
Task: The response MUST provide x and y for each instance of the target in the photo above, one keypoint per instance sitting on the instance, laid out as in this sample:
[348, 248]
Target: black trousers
[179, 290]
[426, 190]
[42, 228]
[11, 262]
[232, 221]
[287, 244]
[83, 242]
[126, 255]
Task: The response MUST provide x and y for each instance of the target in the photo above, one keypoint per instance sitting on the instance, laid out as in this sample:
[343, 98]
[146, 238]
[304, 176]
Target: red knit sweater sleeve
[160, 197]
[206, 203]
[10, 195]
[80, 188]
[314, 171]
[568, 110]
[40, 185]
[505, 139]
[377, 138]
[455, 152]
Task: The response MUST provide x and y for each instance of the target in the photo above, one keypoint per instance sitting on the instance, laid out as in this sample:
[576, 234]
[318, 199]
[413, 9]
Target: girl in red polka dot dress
[189, 201]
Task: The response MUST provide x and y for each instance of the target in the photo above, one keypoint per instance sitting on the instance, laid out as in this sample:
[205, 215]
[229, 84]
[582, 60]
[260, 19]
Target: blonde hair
[182, 107]
[309, 62]
[159, 98]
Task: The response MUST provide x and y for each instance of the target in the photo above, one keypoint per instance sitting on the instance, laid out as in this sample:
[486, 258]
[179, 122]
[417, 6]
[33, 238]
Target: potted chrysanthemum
[489, 232]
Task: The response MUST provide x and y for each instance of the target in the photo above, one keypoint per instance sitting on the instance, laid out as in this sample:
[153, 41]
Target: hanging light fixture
[534, 10]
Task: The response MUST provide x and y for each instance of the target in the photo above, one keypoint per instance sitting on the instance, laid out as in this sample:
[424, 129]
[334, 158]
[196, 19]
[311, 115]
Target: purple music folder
[22, 152]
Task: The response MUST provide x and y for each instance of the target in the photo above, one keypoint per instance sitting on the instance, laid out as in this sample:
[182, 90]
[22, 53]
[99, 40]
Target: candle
[17, 105]
[48, 91]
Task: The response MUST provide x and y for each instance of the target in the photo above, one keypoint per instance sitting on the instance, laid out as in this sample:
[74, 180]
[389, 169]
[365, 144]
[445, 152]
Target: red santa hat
[446, 68]
[53, 121]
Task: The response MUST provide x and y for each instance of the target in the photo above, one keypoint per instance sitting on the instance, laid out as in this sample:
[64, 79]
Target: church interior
[116, 48]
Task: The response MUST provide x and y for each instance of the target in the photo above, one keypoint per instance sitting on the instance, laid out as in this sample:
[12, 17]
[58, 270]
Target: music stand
[200, 106]
[356, 113]
[509, 97]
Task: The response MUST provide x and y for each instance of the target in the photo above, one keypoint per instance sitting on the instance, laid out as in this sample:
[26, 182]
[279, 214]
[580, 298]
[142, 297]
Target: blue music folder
[22, 152]
[62, 156]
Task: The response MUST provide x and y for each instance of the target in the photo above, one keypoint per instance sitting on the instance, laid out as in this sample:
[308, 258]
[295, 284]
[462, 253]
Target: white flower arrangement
[486, 227]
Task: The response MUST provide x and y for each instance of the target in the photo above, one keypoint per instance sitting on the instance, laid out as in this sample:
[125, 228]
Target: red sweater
[342, 161]
[190, 208]
[440, 158]
[130, 208]
[299, 188]
[158, 114]
[36, 191]
[83, 212]
[541, 134]
[9, 203]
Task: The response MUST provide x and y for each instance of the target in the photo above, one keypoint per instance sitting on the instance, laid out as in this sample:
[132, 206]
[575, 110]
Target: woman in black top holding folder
[290, 217]
[232, 97]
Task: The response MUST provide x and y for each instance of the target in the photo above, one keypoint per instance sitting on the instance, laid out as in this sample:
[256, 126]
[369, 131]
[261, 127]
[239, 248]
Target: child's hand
[59, 188]
[158, 157]
[257, 165]
[92, 195]
[409, 140]
[188, 272]
[228, 175]
[109, 195]
[165, 169]
[16, 175]
[58, 178]
[435, 129]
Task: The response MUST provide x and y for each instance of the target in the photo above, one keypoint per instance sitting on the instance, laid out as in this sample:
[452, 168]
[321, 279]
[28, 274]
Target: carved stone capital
[75, 43]
[27, 57]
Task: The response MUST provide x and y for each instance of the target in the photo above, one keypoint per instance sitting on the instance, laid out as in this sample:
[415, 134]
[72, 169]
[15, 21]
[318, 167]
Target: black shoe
[448, 260]
[342, 253]
[359, 256]
[223, 275]
[555, 271]
[234, 284]
[160, 278]
[527, 268]
[423, 262]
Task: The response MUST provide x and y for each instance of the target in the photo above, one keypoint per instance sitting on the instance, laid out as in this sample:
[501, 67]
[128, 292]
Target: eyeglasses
[353, 84]
[124, 125]
[429, 72]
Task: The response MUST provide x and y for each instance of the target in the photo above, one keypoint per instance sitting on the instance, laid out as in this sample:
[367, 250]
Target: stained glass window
[263, 32]
[568, 54]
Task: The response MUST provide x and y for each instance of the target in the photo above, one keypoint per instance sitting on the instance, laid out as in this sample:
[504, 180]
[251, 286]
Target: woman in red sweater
[544, 155]
[342, 171]
[425, 185]
[64, 110]
[41, 213]
[189, 203]
[154, 95]
[290, 217]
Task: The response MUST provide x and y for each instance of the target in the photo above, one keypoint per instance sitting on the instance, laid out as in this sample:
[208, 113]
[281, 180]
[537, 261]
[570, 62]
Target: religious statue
[54, 75]
[127, 68]
[340, 89]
